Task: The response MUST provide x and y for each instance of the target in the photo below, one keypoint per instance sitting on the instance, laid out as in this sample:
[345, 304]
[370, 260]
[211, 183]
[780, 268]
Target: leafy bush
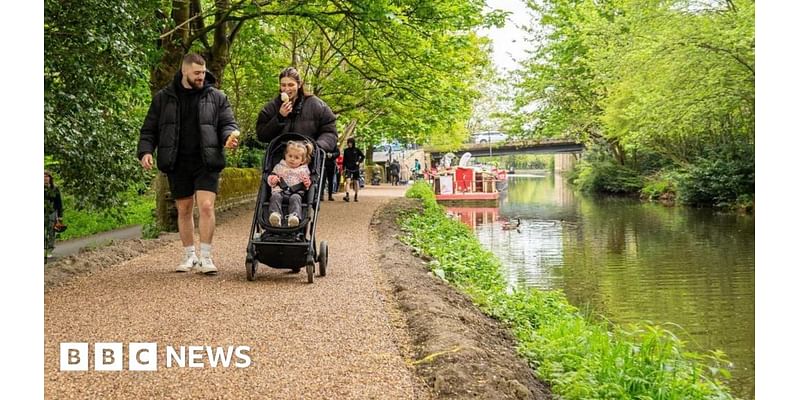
[659, 187]
[245, 157]
[579, 358]
[721, 180]
[607, 177]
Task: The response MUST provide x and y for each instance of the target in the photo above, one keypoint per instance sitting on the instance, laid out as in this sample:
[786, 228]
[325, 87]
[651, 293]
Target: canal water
[689, 270]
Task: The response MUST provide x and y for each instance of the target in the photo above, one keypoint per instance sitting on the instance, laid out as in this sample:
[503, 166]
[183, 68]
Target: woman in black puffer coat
[294, 111]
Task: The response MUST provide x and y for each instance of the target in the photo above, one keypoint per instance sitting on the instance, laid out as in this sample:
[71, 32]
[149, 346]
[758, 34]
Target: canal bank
[689, 270]
[581, 357]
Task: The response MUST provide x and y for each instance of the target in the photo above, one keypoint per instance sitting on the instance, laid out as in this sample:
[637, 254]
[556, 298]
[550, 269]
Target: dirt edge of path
[455, 349]
[93, 259]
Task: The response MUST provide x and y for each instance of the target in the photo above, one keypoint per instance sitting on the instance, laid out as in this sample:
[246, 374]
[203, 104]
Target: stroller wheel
[310, 272]
[251, 266]
[322, 257]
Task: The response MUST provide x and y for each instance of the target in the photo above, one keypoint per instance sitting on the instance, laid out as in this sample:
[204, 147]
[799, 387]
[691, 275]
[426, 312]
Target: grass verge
[136, 210]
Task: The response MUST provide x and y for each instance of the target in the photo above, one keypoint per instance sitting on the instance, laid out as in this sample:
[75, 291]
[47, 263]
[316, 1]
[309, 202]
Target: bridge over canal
[509, 148]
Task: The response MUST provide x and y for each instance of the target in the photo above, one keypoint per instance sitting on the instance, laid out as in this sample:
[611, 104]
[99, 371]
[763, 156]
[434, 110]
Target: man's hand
[307, 182]
[233, 140]
[147, 161]
[273, 180]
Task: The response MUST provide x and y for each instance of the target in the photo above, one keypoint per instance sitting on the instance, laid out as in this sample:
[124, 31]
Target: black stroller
[281, 246]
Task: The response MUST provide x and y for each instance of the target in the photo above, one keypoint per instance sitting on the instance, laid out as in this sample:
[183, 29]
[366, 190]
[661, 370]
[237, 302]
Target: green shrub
[578, 357]
[720, 180]
[606, 177]
[659, 187]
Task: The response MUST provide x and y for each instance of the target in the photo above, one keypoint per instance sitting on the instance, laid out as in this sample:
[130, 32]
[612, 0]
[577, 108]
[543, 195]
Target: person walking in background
[331, 174]
[293, 110]
[340, 170]
[417, 169]
[53, 213]
[188, 123]
[394, 172]
[352, 160]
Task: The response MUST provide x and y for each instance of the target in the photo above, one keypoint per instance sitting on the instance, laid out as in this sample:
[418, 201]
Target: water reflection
[631, 261]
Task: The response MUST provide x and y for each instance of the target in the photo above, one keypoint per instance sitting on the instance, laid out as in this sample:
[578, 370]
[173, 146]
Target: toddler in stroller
[283, 233]
[290, 178]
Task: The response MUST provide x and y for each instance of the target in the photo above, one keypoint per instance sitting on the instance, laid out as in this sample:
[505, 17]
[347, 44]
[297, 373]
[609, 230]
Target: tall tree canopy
[404, 69]
[668, 76]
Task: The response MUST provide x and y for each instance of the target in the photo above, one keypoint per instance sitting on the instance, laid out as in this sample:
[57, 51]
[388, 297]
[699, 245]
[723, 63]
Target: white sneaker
[275, 219]
[206, 266]
[188, 263]
[293, 220]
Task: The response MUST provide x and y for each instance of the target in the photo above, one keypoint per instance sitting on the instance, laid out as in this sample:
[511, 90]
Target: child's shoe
[293, 220]
[275, 219]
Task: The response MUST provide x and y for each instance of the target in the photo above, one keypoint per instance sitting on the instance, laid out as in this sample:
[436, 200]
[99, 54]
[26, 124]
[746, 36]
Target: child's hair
[304, 145]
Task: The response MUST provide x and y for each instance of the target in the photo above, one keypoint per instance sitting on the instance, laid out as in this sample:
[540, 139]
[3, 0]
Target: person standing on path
[394, 173]
[188, 123]
[331, 175]
[53, 212]
[292, 110]
[352, 160]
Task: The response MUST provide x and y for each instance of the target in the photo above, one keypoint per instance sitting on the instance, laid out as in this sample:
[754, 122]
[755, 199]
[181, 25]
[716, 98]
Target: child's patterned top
[291, 176]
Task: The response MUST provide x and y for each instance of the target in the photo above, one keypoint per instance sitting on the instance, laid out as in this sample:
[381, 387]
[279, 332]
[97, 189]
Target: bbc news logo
[144, 356]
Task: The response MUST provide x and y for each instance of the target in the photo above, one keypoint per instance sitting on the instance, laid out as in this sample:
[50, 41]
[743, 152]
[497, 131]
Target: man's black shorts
[189, 176]
[352, 174]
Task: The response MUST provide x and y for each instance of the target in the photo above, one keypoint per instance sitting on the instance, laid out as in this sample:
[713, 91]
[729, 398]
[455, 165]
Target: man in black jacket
[353, 157]
[188, 123]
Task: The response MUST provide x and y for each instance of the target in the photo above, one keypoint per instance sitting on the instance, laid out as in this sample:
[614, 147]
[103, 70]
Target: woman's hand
[307, 182]
[285, 109]
[273, 180]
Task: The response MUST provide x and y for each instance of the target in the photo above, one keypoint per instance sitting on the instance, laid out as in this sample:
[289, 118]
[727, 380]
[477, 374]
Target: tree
[95, 94]
[672, 79]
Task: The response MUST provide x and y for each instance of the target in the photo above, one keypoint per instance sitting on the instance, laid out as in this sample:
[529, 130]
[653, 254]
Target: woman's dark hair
[291, 72]
[351, 141]
[49, 175]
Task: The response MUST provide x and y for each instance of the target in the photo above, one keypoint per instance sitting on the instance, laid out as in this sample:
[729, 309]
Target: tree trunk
[173, 44]
[219, 56]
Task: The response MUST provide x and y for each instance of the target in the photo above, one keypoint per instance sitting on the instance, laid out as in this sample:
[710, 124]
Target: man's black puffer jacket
[161, 129]
[310, 116]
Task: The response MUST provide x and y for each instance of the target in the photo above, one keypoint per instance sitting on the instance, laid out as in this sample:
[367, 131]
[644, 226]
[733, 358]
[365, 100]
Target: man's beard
[196, 84]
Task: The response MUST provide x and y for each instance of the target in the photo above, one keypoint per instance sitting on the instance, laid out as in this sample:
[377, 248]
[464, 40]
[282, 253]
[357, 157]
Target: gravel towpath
[332, 339]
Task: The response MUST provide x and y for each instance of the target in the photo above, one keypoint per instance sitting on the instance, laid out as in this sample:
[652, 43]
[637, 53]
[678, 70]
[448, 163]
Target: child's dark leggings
[294, 204]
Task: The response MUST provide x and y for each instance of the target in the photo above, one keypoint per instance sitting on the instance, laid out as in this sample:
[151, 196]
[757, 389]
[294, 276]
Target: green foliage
[579, 358]
[388, 67]
[657, 83]
[607, 177]
[134, 209]
[245, 157]
[95, 94]
[720, 180]
[659, 187]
